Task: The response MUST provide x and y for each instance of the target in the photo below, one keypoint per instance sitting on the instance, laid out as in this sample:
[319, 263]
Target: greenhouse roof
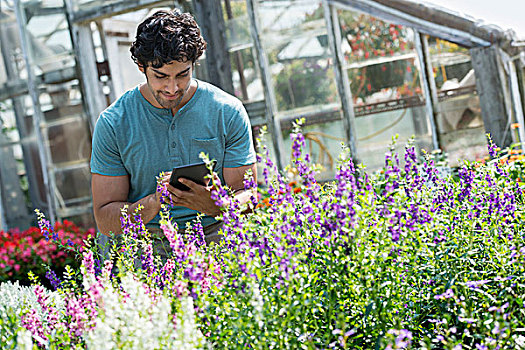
[506, 14]
[436, 20]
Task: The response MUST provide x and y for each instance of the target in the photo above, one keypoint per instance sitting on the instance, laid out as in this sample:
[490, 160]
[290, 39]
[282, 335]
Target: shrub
[31, 250]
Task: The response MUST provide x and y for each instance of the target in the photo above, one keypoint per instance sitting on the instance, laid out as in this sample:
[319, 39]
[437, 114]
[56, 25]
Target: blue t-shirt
[132, 137]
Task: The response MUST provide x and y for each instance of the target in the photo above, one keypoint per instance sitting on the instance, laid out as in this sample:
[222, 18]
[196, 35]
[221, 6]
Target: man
[166, 122]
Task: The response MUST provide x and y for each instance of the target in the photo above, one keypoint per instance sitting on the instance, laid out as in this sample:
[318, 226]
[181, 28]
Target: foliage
[371, 38]
[399, 259]
[14, 298]
[514, 161]
[304, 83]
[2, 122]
[30, 250]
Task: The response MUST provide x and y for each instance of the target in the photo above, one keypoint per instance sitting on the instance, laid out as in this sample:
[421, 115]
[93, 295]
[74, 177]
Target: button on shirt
[133, 137]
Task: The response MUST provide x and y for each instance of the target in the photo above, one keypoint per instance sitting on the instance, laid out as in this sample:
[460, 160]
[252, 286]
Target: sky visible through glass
[507, 14]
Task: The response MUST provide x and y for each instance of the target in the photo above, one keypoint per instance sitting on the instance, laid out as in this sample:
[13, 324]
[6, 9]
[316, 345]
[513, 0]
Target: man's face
[169, 83]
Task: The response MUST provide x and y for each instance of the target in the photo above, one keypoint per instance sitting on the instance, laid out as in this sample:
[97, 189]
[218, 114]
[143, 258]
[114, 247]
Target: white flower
[24, 340]
[136, 317]
[257, 302]
[14, 300]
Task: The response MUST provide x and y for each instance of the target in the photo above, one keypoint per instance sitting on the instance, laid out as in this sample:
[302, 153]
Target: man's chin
[170, 104]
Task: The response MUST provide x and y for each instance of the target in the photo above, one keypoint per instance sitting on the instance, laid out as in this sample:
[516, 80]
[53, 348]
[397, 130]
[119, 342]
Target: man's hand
[197, 198]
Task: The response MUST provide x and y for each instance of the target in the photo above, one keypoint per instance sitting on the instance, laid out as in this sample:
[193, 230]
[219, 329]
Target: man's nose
[172, 86]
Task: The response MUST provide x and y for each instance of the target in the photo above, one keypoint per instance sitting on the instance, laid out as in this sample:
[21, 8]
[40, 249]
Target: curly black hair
[167, 36]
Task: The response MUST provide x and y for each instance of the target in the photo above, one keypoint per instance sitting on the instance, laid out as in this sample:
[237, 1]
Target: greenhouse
[358, 71]
[381, 204]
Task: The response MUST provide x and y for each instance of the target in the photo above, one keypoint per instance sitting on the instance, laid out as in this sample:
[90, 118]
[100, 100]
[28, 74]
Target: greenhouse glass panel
[12, 65]
[462, 132]
[14, 186]
[62, 141]
[74, 185]
[46, 29]
[238, 32]
[69, 141]
[20, 148]
[247, 82]
[9, 131]
[61, 101]
[383, 71]
[295, 40]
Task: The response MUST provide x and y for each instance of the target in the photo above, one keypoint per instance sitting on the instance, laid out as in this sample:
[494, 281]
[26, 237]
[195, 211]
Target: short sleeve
[239, 143]
[105, 155]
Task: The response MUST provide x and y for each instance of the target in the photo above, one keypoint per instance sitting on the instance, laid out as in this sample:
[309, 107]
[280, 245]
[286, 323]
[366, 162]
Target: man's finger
[192, 185]
[176, 192]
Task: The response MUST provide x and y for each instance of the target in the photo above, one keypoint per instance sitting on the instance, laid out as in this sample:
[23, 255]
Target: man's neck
[187, 96]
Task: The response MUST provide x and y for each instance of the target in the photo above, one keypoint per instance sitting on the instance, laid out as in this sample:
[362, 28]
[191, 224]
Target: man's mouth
[170, 97]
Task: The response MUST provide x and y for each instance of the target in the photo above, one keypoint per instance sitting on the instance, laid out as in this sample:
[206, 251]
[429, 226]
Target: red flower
[21, 252]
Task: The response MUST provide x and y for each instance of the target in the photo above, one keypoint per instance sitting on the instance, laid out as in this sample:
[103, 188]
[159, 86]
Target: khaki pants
[161, 245]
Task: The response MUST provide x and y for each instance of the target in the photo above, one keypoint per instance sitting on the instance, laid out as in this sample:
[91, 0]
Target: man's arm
[199, 197]
[234, 178]
[110, 194]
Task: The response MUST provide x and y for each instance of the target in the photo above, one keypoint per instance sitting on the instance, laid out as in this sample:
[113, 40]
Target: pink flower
[88, 262]
[32, 323]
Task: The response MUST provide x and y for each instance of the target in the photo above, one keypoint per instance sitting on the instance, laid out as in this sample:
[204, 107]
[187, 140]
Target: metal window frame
[82, 37]
[421, 25]
[422, 28]
[341, 78]
[38, 117]
[266, 79]
[384, 13]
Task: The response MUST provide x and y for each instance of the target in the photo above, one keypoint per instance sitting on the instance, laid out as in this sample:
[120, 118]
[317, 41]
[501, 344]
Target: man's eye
[184, 75]
[159, 77]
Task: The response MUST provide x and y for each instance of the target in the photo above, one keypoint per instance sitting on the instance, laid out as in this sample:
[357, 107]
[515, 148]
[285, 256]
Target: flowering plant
[514, 160]
[32, 250]
[408, 258]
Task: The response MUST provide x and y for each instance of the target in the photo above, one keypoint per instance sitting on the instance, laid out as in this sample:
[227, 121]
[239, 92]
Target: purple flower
[403, 338]
[476, 284]
[492, 148]
[53, 279]
[147, 259]
[45, 226]
[447, 295]
[88, 262]
[162, 189]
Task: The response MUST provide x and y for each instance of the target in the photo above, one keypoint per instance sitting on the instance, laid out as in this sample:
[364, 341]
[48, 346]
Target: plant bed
[40, 251]
[399, 259]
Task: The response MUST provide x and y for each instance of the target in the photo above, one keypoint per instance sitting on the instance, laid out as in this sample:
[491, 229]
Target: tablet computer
[194, 172]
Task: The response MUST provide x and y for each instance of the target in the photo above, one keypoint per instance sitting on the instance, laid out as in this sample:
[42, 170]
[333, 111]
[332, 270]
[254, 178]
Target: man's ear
[141, 68]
